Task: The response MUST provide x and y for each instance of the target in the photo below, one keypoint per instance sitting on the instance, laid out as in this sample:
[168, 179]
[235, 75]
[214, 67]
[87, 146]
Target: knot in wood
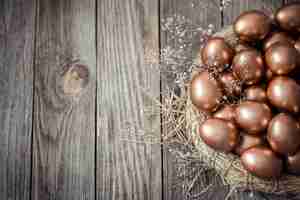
[74, 79]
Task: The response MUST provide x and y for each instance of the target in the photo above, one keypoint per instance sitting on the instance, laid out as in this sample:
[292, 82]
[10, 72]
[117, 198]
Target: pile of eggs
[261, 70]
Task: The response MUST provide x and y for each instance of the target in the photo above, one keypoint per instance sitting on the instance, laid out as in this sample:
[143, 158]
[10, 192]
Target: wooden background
[61, 124]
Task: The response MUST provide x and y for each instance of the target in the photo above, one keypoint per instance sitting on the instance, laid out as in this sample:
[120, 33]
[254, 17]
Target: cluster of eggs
[263, 127]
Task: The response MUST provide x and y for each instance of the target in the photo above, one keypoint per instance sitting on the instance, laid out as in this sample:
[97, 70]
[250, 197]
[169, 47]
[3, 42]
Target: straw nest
[228, 165]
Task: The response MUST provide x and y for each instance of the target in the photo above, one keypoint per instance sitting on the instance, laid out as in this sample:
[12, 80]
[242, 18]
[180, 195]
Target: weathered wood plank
[202, 13]
[16, 96]
[64, 101]
[128, 49]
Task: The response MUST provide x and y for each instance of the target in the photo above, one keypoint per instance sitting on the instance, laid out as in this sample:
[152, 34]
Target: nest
[229, 166]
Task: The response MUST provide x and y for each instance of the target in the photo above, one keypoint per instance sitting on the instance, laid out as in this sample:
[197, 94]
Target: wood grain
[16, 94]
[64, 101]
[128, 50]
[200, 13]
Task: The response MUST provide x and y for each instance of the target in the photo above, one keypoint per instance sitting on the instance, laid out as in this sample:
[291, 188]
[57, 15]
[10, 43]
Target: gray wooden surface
[77, 79]
[127, 169]
[17, 35]
[64, 101]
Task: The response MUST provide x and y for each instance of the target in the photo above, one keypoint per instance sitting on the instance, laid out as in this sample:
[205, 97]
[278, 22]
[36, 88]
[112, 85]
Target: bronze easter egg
[227, 112]
[262, 162]
[248, 66]
[219, 134]
[284, 134]
[217, 53]
[252, 26]
[248, 141]
[282, 58]
[288, 17]
[253, 117]
[256, 93]
[231, 85]
[284, 93]
[277, 37]
[206, 92]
